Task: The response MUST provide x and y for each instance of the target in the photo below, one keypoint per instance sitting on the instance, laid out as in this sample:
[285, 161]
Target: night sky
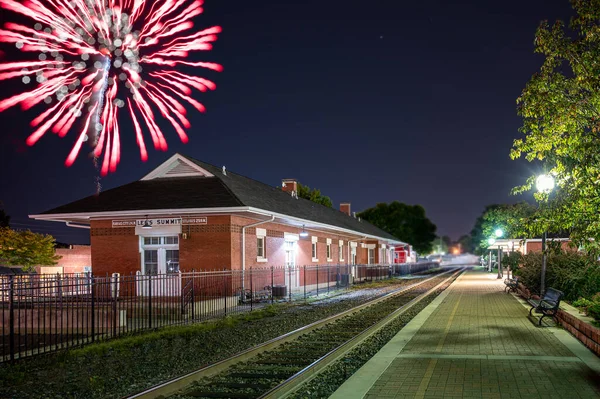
[370, 101]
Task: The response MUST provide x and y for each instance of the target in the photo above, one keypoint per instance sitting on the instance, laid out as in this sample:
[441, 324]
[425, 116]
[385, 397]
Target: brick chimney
[289, 185]
[345, 207]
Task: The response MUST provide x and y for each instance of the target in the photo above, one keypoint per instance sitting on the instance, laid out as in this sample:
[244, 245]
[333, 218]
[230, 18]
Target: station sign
[162, 222]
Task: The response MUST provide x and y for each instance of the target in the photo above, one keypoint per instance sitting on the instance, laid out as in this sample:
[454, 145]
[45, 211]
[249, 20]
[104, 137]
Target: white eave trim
[65, 217]
[322, 225]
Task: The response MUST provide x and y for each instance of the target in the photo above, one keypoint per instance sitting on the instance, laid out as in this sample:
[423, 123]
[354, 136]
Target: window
[314, 250]
[371, 256]
[172, 260]
[171, 240]
[341, 252]
[160, 255]
[328, 251]
[151, 240]
[151, 262]
[260, 247]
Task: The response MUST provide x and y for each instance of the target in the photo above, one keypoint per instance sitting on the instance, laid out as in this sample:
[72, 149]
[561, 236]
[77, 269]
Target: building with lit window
[189, 215]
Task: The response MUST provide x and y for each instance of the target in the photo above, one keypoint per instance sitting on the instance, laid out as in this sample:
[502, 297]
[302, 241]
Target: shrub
[575, 274]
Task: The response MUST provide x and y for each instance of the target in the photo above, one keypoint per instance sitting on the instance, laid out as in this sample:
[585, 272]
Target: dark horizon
[376, 103]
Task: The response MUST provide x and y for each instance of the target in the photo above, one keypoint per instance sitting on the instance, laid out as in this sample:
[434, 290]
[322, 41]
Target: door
[160, 266]
[290, 263]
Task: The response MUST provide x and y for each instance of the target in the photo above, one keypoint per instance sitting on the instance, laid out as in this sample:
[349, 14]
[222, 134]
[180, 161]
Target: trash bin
[279, 291]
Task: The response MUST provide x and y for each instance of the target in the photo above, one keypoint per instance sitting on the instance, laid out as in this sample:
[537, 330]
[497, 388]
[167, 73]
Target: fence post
[149, 301]
[93, 307]
[251, 291]
[225, 290]
[193, 296]
[317, 280]
[11, 310]
[272, 280]
[290, 280]
[305, 283]
[114, 293]
[328, 278]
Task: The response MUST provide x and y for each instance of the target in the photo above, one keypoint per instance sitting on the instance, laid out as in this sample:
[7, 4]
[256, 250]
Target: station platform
[476, 341]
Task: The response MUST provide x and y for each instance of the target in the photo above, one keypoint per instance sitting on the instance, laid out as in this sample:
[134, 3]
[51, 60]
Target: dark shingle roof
[214, 192]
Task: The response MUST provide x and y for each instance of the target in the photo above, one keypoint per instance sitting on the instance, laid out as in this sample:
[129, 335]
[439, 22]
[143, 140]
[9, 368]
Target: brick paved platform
[475, 341]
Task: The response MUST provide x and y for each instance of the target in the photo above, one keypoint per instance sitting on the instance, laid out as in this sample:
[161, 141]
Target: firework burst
[98, 57]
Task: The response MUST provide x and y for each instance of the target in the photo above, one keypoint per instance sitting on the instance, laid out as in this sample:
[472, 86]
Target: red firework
[97, 56]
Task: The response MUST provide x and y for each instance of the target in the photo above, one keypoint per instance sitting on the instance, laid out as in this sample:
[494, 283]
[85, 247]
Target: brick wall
[74, 259]
[217, 245]
[207, 247]
[113, 250]
[588, 334]
[536, 246]
[275, 244]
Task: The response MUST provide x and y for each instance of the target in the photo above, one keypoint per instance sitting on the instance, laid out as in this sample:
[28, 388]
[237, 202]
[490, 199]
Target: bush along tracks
[261, 374]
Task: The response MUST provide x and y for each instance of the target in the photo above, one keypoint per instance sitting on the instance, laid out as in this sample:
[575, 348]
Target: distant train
[403, 255]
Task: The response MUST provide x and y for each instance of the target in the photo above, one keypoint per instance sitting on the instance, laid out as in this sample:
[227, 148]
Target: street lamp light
[544, 184]
[499, 233]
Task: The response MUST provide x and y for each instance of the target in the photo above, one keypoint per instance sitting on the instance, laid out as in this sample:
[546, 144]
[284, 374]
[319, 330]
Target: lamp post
[544, 184]
[499, 233]
[491, 242]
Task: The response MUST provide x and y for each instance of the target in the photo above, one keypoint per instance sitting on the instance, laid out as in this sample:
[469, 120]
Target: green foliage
[512, 260]
[561, 122]
[466, 244]
[589, 307]
[408, 223]
[513, 219]
[314, 195]
[439, 246]
[575, 274]
[27, 249]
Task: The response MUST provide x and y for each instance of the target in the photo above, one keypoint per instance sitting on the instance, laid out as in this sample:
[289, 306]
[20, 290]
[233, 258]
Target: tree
[466, 244]
[27, 249]
[515, 221]
[439, 246]
[477, 236]
[314, 195]
[560, 107]
[408, 223]
[4, 217]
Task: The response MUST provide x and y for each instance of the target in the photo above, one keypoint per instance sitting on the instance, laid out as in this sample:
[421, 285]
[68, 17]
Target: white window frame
[371, 256]
[161, 247]
[341, 251]
[329, 259]
[314, 249]
[261, 235]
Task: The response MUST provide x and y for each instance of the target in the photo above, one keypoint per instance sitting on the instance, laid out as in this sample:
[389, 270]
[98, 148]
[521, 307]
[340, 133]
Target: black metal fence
[46, 313]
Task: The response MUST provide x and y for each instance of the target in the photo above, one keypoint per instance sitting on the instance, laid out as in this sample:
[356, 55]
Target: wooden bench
[548, 305]
[512, 284]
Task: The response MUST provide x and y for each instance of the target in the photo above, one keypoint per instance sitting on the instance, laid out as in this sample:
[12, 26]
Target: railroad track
[279, 366]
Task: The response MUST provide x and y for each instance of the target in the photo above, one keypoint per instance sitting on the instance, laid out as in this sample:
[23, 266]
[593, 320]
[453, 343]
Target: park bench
[512, 284]
[548, 305]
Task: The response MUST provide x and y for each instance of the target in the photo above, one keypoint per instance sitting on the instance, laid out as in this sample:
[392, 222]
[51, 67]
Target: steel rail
[173, 386]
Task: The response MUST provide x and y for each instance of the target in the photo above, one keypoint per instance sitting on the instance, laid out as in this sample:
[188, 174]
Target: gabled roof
[207, 186]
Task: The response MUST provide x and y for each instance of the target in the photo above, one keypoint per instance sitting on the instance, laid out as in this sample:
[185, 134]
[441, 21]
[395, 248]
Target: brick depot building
[189, 215]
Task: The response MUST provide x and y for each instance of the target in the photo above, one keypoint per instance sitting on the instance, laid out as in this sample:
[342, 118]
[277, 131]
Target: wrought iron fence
[47, 313]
